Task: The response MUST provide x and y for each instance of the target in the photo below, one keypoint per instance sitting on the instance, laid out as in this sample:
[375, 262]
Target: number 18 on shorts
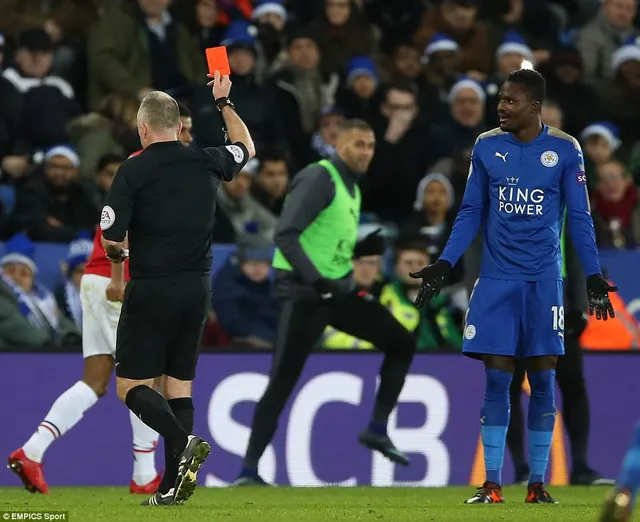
[515, 318]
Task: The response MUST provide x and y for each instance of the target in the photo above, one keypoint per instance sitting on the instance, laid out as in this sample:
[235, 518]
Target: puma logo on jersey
[503, 156]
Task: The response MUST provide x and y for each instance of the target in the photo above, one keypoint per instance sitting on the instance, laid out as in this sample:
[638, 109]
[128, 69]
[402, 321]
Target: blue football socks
[495, 422]
[378, 428]
[630, 473]
[541, 421]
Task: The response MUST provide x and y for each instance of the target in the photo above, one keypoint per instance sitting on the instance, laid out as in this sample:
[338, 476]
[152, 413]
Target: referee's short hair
[159, 111]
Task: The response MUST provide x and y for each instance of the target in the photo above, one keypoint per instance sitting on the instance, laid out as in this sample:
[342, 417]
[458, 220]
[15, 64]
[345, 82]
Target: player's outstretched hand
[433, 278]
[220, 85]
[598, 290]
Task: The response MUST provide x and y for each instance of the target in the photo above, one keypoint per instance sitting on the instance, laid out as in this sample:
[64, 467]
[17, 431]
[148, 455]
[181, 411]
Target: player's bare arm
[115, 289]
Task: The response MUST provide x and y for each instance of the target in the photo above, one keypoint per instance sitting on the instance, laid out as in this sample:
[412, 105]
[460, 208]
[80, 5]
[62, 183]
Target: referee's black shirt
[165, 199]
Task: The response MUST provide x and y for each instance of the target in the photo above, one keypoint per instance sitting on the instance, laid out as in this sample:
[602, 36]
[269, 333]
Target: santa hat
[440, 42]
[19, 249]
[467, 83]
[269, 7]
[514, 43]
[364, 229]
[605, 129]
[630, 50]
[423, 185]
[64, 151]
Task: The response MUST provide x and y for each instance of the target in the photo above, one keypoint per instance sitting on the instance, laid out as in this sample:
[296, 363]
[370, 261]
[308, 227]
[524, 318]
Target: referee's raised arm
[233, 157]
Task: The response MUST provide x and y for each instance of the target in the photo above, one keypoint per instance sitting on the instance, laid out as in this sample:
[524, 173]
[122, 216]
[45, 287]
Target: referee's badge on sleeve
[236, 151]
[107, 217]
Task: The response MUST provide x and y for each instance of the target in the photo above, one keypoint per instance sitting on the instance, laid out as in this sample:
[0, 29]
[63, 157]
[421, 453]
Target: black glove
[373, 244]
[598, 293]
[575, 322]
[433, 278]
[327, 290]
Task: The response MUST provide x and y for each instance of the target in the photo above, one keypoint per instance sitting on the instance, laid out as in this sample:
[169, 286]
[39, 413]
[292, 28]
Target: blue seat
[50, 258]
[8, 198]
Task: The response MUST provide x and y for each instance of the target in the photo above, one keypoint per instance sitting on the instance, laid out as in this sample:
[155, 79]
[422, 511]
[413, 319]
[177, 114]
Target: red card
[218, 61]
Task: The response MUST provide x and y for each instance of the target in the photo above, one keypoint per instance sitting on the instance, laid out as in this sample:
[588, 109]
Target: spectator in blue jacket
[243, 297]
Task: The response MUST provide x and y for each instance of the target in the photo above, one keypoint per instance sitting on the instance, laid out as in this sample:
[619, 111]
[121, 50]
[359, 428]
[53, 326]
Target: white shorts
[99, 317]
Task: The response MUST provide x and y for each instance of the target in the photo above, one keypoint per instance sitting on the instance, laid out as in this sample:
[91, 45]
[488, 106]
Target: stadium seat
[50, 258]
[7, 198]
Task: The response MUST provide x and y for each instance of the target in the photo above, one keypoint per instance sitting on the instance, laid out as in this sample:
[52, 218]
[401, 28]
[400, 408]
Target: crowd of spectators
[424, 73]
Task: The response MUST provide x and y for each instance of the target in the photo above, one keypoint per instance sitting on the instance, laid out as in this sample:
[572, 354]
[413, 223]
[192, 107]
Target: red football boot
[30, 472]
[146, 489]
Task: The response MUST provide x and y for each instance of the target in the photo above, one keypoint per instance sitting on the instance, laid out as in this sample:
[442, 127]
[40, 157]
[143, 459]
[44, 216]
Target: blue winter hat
[79, 252]
[467, 83]
[269, 7]
[331, 109]
[240, 32]
[19, 249]
[606, 129]
[440, 42]
[514, 43]
[361, 65]
[630, 50]
[255, 254]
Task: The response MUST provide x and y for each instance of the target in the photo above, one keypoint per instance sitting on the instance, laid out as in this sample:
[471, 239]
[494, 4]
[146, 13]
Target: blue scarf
[74, 304]
[325, 150]
[39, 306]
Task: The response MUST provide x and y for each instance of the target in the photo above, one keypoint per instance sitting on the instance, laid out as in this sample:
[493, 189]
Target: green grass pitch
[313, 505]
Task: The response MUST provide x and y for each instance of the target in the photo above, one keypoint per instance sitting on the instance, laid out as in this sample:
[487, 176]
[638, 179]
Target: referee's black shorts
[161, 325]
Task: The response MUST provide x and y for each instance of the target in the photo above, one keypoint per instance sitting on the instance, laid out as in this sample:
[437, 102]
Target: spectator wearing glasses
[402, 155]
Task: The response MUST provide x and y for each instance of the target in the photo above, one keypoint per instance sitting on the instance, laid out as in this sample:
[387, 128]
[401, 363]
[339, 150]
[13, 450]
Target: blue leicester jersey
[519, 192]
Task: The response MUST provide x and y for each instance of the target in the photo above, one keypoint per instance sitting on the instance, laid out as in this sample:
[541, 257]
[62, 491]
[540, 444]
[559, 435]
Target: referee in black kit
[164, 200]
[316, 243]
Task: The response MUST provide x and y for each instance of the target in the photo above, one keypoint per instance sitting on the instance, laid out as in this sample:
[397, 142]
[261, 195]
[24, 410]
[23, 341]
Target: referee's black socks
[183, 410]
[153, 410]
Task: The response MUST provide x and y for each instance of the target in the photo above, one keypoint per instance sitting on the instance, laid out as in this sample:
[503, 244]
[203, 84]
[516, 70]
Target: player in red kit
[101, 293]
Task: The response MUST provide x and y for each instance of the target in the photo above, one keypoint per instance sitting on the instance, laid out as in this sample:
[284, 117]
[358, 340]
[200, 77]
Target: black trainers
[590, 477]
[383, 444]
[538, 494]
[189, 462]
[158, 499]
[489, 493]
[250, 480]
[617, 507]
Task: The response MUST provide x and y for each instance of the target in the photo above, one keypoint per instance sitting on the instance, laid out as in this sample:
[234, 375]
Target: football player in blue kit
[620, 501]
[523, 177]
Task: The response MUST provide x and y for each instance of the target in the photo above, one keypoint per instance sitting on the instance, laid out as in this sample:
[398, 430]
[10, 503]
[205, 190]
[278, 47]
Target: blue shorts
[514, 318]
